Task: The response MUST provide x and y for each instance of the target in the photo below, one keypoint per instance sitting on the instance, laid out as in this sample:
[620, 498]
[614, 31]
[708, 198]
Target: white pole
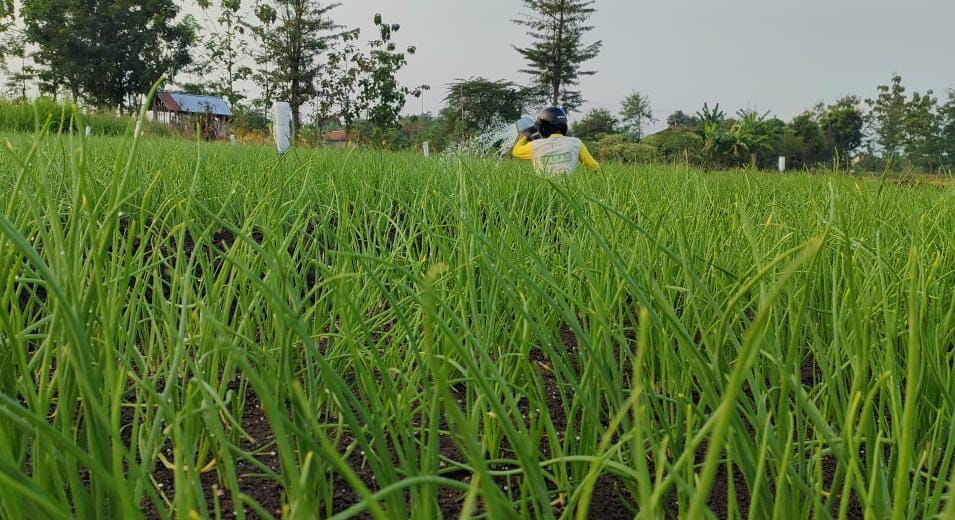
[426, 148]
[89, 131]
[782, 163]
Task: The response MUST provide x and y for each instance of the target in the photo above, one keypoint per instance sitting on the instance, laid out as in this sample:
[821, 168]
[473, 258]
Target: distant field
[211, 330]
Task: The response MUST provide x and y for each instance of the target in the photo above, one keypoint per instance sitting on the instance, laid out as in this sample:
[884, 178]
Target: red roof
[168, 101]
[337, 136]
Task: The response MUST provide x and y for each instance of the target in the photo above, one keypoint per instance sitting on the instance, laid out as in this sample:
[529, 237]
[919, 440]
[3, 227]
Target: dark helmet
[552, 120]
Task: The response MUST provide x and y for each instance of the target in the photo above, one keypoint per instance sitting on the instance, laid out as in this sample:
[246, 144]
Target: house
[339, 138]
[185, 111]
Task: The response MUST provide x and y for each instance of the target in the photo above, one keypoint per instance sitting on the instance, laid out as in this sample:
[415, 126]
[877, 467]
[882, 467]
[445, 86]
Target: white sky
[774, 55]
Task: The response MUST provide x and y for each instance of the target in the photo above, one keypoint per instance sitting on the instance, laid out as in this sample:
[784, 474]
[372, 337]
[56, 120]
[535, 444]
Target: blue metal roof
[197, 104]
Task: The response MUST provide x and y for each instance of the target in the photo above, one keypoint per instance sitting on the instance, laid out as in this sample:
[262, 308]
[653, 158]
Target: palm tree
[751, 135]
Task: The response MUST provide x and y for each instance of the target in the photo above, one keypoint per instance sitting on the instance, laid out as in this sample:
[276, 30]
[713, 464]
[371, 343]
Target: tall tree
[906, 127]
[339, 86]
[681, 119]
[947, 132]
[842, 124]
[478, 103]
[23, 74]
[8, 10]
[886, 116]
[7, 18]
[359, 84]
[293, 34]
[634, 113]
[15, 57]
[557, 52]
[812, 147]
[598, 123]
[223, 45]
[922, 131]
[107, 52]
[382, 95]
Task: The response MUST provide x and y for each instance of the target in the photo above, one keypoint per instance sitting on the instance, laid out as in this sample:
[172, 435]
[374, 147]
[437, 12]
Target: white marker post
[426, 148]
[782, 163]
[89, 131]
[282, 126]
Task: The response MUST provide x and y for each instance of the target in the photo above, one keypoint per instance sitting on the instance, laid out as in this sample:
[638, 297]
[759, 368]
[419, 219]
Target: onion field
[193, 330]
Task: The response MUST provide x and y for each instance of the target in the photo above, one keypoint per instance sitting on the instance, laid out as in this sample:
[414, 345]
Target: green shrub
[619, 148]
[23, 116]
[612, 140]
[677, 145]
[248, 120]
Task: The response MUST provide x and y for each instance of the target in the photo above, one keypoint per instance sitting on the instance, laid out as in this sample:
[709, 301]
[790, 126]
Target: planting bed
[214, 331]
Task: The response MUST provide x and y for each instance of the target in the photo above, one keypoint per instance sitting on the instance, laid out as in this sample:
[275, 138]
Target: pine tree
[294, 34]
[635, 112]
[557, 52]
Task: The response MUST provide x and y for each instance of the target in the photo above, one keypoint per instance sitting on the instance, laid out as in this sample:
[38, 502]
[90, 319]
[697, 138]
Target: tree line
[892, 130]
[108, 54]
[105, 53]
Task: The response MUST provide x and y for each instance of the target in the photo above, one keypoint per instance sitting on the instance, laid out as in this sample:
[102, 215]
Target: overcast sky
[774, 55]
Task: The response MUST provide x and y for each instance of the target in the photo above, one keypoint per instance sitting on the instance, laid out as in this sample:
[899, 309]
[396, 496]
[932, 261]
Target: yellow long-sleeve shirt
[555, 154]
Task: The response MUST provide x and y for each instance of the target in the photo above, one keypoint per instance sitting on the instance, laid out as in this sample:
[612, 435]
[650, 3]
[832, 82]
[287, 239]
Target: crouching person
[554, 153]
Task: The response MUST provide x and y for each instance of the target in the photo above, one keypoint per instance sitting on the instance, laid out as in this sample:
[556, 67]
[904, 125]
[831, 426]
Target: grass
[28, 116]
[207, 330]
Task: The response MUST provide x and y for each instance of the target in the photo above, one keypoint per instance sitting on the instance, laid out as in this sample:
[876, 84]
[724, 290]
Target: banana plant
[751, 135]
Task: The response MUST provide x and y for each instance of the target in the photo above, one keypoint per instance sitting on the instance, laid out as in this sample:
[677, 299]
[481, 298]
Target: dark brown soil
[719, 494]
[809, 372]
[829, 465]
[267, 492]
[569, 340]
[31, 293]
[451, 501]
[546, 370]
[611, 500]
[552, 400]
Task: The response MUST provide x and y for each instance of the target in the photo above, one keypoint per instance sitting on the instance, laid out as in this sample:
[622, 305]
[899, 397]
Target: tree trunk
[295, 102]
[559, 39]
[295, 118]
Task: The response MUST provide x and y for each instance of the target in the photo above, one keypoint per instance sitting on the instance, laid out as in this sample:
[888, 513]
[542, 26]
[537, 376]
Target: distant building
[185, 111]
[339, 138]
